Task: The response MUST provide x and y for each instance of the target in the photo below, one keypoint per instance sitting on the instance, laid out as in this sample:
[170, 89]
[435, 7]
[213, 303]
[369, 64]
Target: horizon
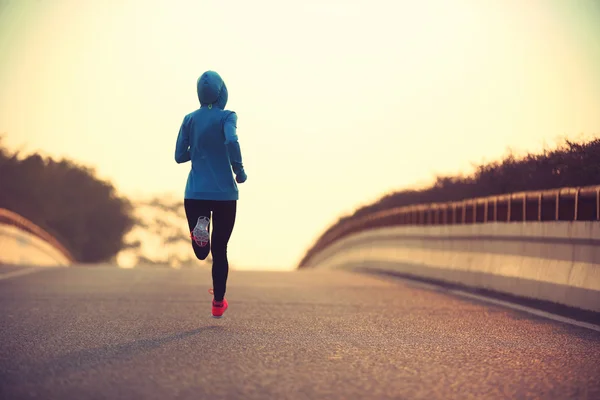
[112, 95]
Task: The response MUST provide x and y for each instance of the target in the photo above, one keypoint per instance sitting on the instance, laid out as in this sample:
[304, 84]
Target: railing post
[540, 206]
[524, 207]
[485, 211]
[576, 204]
[495, 208]
[464, 212]
[508, 207]
[474, 203]
[557, 203]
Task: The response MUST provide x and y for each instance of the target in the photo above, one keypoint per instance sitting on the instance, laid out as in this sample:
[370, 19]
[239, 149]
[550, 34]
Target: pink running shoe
[218, 307]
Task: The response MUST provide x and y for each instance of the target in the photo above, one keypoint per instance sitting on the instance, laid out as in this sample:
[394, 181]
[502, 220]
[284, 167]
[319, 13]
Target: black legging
[223, 220]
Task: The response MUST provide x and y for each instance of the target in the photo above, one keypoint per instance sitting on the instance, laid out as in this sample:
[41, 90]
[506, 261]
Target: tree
[83, 212]
[161, 236]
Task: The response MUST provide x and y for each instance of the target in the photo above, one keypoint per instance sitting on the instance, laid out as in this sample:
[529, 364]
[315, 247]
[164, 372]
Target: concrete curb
[549, 261]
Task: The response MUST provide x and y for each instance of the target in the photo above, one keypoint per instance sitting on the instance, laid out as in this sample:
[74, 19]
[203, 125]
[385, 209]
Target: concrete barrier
[550, 261]
[19, 247]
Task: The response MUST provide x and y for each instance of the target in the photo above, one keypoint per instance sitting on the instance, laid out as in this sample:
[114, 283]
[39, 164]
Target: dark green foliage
[67, 200]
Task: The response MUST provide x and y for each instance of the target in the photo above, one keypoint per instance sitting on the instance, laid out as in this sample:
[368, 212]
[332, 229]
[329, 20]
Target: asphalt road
[105, 333]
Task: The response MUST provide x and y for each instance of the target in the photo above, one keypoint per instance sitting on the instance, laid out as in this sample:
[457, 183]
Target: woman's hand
[241, 177]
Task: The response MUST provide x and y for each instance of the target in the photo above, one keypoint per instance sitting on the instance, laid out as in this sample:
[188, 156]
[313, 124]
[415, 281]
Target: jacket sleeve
[182, 147]
[233, 145]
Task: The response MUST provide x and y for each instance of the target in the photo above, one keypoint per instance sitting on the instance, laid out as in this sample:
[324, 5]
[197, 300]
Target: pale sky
[338, 102]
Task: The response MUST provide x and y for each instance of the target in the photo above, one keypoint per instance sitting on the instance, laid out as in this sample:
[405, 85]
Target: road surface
[107, 333]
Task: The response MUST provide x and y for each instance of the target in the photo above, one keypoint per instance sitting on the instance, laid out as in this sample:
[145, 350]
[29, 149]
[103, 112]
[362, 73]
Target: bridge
[489, 298]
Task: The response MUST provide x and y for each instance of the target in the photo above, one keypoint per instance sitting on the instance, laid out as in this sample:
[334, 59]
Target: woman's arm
[182, 147]
[233, 147]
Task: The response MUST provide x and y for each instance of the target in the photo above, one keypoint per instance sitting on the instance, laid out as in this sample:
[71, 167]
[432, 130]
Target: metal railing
[564, 204]
[8, 217]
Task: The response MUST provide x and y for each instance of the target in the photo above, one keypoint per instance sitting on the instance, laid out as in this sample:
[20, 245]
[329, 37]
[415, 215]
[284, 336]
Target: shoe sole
[200, 232]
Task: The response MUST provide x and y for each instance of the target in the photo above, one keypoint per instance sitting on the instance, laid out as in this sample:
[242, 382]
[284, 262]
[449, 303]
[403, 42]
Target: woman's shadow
[96, 357]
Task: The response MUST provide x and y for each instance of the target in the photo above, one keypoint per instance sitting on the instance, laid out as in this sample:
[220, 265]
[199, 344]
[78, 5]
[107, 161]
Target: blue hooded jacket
[207, 137]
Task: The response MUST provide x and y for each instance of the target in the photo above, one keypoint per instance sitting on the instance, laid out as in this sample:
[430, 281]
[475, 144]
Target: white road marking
[19, 272]
[529, 310]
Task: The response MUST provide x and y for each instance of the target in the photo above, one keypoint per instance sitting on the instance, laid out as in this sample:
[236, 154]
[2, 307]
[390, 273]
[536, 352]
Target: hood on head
[212, 90]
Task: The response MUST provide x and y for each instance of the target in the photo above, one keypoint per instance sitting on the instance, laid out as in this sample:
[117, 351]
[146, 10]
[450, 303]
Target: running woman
[208, 138]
